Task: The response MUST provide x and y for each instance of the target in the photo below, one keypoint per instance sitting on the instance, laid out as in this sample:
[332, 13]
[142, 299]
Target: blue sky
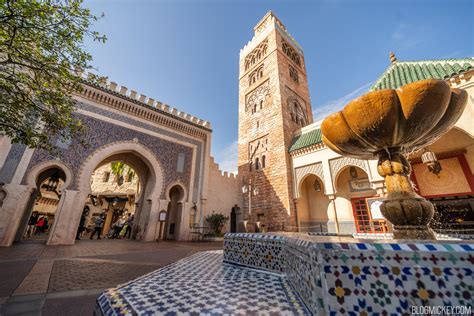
[185, 52]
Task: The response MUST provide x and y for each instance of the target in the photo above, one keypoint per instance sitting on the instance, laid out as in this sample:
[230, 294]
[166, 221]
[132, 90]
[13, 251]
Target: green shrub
[216, 223]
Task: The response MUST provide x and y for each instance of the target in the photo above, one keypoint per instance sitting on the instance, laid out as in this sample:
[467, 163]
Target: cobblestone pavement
[65, 280]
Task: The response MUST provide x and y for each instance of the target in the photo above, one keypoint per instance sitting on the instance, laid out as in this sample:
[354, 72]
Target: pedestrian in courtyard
[39, 225]
[99, 223]
[118, 225]
[82, 223]
[128, 230]
[31, 225]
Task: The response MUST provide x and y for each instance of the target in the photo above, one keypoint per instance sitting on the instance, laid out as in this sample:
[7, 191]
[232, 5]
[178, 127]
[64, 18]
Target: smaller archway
[174, 213]
[312, 205]
[353, 188]
[39, 215]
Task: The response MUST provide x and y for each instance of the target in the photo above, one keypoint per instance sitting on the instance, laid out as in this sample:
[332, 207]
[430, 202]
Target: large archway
[312, 205]
[116, 189]
[149, 171]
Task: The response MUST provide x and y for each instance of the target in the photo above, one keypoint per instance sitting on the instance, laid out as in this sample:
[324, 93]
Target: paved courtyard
[66, 280]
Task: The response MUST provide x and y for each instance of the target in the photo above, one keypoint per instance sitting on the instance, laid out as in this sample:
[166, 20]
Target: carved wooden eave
[173, 119]
[307, 150]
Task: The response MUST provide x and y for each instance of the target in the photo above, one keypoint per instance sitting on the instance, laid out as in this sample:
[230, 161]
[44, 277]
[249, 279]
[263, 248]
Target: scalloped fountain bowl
[388, 123]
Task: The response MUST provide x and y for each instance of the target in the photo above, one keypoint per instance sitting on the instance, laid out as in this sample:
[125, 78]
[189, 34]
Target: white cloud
[321, 111]
[227, 157]
[406, 36]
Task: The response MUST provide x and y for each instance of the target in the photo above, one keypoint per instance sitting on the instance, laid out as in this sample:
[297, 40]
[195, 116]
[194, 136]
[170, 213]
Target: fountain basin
[341, 275]
[299, 274]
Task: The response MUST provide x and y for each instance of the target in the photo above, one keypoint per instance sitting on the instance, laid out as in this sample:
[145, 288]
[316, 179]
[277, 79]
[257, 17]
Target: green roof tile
[306, 139]
[404, 72]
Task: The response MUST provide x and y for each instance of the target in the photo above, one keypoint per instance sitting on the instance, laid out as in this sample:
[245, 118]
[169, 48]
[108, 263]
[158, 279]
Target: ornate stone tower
[273, 103]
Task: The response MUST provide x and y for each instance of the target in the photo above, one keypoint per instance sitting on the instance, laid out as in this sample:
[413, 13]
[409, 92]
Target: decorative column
[333, 223]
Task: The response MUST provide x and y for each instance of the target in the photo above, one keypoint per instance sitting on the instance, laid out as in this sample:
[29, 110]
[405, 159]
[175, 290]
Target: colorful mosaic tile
[376, 278]
[202, 284]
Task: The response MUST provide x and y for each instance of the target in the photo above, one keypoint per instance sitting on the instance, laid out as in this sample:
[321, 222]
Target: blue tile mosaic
[100, 133]
[202, 284]
[370, 278]
[11, 162]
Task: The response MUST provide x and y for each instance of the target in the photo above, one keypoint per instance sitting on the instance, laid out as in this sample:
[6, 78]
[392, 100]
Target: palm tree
[119, 169]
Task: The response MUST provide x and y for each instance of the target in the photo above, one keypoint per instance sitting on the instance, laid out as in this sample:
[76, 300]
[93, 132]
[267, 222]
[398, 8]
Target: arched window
[257, 164]
[255, 108]
[263, 161]
[261, 104]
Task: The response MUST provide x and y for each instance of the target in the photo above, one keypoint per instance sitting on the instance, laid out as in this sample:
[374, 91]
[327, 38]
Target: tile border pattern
[354, 277]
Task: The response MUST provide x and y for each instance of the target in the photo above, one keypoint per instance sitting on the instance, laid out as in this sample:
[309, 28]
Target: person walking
[82, 223]
[128, 230]
[31, 225]
[99, 223]
[118, 225]
[39, 225]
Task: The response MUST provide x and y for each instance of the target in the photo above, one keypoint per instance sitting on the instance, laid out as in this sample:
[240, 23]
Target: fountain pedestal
[409, 213]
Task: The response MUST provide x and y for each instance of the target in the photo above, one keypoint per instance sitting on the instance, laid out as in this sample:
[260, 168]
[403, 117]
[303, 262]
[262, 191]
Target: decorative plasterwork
[337, 165]
[302, 172]
[256, 99]
[256, 54]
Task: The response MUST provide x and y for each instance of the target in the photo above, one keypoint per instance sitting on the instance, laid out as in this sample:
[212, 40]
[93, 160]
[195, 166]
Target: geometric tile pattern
[374, 278]
[259, 251]
[202, 284]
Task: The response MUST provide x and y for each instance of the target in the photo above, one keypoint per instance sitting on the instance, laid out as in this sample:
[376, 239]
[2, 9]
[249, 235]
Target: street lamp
[250, 189]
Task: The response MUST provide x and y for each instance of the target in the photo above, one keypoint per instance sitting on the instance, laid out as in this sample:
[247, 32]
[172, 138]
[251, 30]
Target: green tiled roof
[306, 139]
[404, 72]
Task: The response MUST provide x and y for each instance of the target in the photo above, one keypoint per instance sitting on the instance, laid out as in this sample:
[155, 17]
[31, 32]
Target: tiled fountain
[291, 273]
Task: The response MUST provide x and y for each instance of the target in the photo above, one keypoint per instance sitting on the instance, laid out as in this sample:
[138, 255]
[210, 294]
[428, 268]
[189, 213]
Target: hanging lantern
[53, 181]
[429, 158]
[317, 186]
[353, 172]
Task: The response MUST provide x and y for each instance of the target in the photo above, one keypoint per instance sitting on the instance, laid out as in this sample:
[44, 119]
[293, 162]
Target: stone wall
[223, 191]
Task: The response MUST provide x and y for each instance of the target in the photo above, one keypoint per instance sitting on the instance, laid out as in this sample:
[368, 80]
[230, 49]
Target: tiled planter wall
[371, 277]
[255, 250]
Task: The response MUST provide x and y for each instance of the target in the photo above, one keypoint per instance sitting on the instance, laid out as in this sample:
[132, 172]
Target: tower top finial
[393, 59]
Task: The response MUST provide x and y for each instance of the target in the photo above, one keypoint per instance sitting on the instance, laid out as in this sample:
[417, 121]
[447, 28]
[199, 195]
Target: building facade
[169, 151]
[342, 194]
[273, 103]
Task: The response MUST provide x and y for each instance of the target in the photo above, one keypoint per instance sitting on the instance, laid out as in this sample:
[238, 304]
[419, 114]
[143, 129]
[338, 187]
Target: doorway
[40, 211]
[175, 209]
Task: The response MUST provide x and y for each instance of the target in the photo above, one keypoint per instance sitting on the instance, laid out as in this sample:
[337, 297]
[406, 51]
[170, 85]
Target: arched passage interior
[174, 212]
[353, 188]
[116, 189]
[312, 205]
[39, 214]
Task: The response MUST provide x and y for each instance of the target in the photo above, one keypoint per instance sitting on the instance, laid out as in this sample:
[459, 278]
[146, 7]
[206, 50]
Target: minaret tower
[273, 103]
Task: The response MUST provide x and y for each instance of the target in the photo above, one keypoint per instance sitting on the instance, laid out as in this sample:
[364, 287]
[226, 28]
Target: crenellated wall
[223, 191]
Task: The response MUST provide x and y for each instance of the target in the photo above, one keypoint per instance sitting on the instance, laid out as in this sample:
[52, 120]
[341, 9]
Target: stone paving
[65, 280]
